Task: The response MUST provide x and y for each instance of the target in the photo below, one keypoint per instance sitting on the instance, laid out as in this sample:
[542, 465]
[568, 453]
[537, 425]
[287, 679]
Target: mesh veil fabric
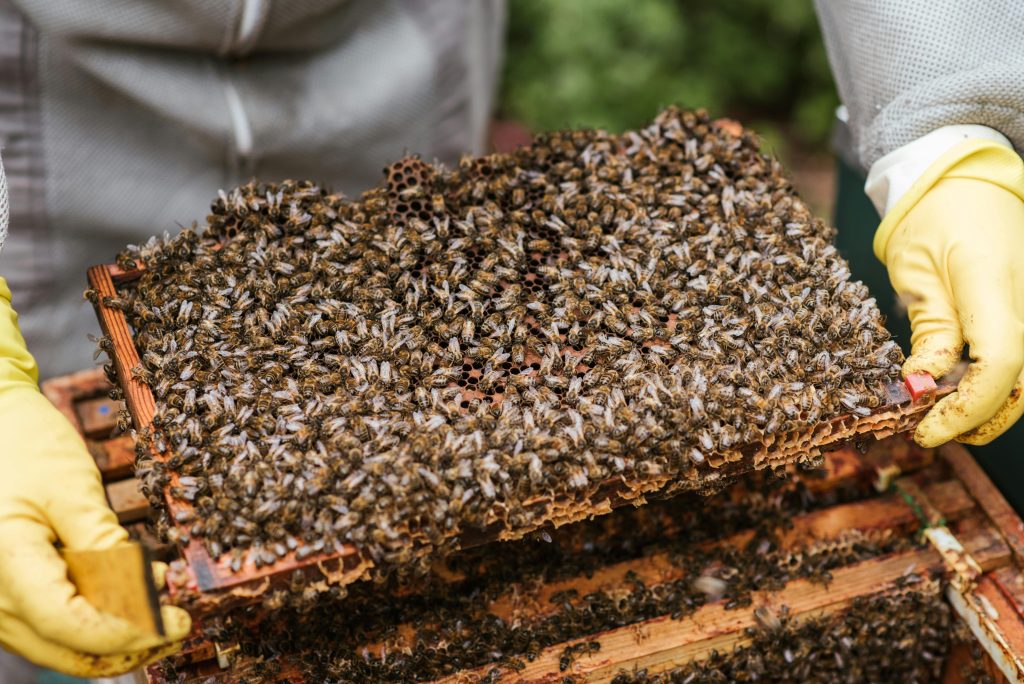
[906, 68]
[4, 209]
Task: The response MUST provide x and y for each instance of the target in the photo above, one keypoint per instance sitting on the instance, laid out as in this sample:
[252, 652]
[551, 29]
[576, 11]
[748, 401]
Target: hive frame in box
[81, 397]
[944, 490]
[208, 584]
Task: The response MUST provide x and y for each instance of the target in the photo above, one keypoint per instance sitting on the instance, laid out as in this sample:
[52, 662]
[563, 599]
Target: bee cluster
[436, 628]
[456, 344]
[902, 638]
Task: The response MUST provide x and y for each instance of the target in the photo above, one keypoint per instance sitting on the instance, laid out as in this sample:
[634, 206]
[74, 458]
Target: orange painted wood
[987, 495]
[127, 500]
[1010, 581]
[114, 457]
[114, 325]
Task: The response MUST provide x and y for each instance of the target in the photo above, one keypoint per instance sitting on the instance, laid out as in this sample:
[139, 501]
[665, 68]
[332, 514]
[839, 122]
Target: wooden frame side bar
[114, 325]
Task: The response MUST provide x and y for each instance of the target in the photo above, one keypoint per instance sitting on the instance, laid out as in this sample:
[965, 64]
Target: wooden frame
[210, 584]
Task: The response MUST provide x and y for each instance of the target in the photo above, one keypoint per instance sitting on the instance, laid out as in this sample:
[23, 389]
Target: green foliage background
[614, 63]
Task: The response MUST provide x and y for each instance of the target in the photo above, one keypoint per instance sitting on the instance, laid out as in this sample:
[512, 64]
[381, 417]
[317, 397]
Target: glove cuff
[982, 160]
[892, 175]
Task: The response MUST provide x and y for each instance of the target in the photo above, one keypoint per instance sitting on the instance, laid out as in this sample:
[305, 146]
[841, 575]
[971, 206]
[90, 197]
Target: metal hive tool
[728, 191]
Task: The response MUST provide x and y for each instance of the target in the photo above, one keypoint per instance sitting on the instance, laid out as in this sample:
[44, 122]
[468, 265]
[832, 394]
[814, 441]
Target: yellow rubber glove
[954, 247]
[50, 490]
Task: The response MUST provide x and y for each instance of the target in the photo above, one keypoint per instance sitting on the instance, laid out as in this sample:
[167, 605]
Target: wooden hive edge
[880, 516]
[662, 643]
[988, 496]
[114, 324]
[64, 390]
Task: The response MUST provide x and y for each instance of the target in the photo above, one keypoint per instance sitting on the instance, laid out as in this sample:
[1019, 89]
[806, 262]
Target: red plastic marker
[920, 384]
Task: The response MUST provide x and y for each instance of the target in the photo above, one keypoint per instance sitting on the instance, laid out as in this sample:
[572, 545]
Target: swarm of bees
[429, 359]
[902, 638]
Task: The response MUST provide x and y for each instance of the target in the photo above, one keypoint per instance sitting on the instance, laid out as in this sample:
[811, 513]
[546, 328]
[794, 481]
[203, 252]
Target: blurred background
[613, 64]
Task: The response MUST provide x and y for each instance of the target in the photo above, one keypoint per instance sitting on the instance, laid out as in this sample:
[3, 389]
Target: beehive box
[963, 554]
[83, 398]
[939, 527]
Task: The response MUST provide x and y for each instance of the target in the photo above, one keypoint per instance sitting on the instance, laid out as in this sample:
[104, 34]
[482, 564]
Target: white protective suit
[920, 76]
[121, 120]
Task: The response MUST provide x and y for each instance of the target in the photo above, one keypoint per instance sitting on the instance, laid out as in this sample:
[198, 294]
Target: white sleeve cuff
[892, 175]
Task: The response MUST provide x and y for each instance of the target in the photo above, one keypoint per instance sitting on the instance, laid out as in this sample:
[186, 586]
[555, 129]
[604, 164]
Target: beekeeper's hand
[953, 242]
[50, 491]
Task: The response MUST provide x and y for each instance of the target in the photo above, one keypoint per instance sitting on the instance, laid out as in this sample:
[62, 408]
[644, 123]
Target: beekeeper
[118, 124]
[120, 120]
[935, 92]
